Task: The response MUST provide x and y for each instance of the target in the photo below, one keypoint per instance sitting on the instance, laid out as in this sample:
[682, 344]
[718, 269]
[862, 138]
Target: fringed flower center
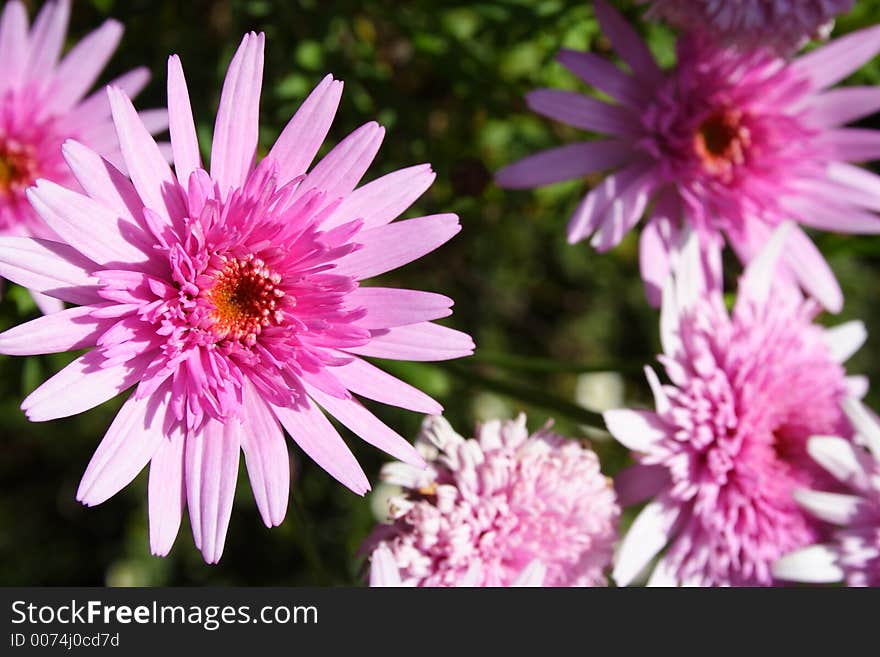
[246, 298]
[721, 142]
[18, 166]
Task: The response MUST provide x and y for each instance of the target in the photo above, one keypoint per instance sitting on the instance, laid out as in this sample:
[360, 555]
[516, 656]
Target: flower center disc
[18, 166]
[721, 141]
[246, 299]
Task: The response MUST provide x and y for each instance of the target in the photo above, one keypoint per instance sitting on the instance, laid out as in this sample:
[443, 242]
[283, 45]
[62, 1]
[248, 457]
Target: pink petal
[639, 431]
[821, 212]
[47, 305]
[387, 307]
[623, 213]
[82, 385]
[394, 245]
[237, 127]
[383, 569]
[66, 330]
[148, 168]
[760, 274]
[830, 64]
[367, 380]
[531, 576]
[13, 43]
[852, 144]
[82, 117]
[583, 112]
[563, 163]
[418, 342]
[47, 38]
[841, 106]
[591, 211]
[97, 232]
[266, 457]
[812, 271]
[604, 76]
[211, 463]
[638, 483]
[301, 138]
[626, 41]
[358, 419]
[81, 67]
[49, 267]
[312, 431]
[654, 244]
[166, 492]
[646, 537]
[339, 172]
[129, 444]
[184, 141]
[381, 201]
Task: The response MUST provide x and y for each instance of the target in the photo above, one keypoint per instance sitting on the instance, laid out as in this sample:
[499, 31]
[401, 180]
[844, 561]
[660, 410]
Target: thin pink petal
[639, 482]
[13, 43]
[563, 163]
[47, 38]
[383, 569]
[387, 307]
[852, 144]
[812, 271]
[302, 137]
[82, 385]
[381, 201]
[129, 444]
[267, 459]
[623, 213]
[371, 429]
[184, 141]
[636, 430]
[646, 537]
[583, 112]
[66, 330]
[626, 41]
[604, 76]
[80, 68]
[840, 106]
[591, 210]
[418, 342]
[83, 116]
[49, 267]
[831, 63]
[236, 129]
[367, 380]
[312, 431]
[394, 245]
[166, 492]
[211, 464]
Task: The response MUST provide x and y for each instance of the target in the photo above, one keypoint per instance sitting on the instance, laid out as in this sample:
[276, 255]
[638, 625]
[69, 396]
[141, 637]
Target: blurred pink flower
[232, 300]
[783, 25]
[42, 104]
[731, 144]
[726, 444]
[853, 553]
[504, 509]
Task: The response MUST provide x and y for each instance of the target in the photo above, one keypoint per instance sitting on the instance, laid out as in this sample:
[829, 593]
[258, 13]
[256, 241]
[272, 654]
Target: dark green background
[447, 80]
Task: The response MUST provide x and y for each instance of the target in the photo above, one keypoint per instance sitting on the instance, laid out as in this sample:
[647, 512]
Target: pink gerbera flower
[853, 553]
[784, 25]
[726, 445]
[42, 103]
[504, 509]
[730, 144]
[231, 299]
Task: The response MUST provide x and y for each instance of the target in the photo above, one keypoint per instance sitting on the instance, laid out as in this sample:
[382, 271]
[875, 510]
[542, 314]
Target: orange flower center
[721, 142]
[246, 299]
[18, 166]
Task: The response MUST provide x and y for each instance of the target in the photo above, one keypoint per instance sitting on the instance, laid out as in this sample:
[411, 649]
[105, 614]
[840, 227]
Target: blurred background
[560, 329]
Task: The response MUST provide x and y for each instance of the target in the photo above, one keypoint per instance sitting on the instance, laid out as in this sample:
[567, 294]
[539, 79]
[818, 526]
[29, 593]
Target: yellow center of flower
[246, 299]
[18, 166]
[721, 142]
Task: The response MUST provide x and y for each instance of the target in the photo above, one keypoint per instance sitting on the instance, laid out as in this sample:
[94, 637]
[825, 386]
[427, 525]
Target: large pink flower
[784, 25]
[42, 103]
[505, 509]
[726, 445]
[731, 144]
[853, 552]
[231, 299]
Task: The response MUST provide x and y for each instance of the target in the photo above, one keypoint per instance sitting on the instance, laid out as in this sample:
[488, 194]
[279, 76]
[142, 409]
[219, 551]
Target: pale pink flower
[42, 103]
[784, 25]
[729, 144]
[232, 300]
[505, 509]
[853, 552]
[725, 446]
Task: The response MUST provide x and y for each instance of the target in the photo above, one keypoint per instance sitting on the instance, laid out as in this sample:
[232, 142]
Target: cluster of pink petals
[730, 144]
[784, 25]
[43, 102]
[504, 509]
[853, 552]
[726, 446]
[230, 297]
